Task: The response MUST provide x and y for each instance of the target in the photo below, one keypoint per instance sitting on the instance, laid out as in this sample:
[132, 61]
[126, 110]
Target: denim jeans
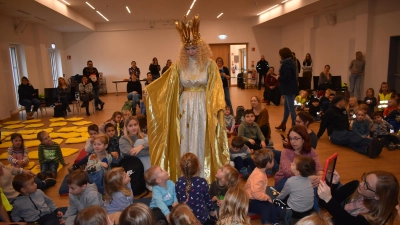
[240, 163]
[351, 139]
[265, 209]
[51, 166]
[28, 104]
[97, 100]
[228, 98]
[355, 82]
[97, 178]
[289, 109]
[142, 108]
[135, 100]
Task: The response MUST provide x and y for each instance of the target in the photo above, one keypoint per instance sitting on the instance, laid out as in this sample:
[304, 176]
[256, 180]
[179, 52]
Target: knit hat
[336, 99]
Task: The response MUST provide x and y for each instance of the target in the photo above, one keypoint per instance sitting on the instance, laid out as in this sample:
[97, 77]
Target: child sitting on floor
[314, 109]
[394, 118]
[115, 120]
[251, 132]
[113, 144]
[32, 205]
[360, 125]
[50, 156]
[229, 121]
[240, 154]
[301, 100]
[164, 196]
[382, 130]
[235, 207]
[17, 153]
[93, 130]
[392, 105]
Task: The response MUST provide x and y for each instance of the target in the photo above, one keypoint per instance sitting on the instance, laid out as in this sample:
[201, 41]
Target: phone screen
[391, 131]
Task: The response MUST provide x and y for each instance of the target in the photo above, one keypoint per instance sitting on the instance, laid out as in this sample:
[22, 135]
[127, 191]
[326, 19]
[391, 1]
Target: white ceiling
[165, 11]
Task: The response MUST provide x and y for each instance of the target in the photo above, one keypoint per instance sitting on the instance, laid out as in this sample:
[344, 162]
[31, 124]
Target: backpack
[134, 167]
[239, 114]
[58, 112]
[127, 106]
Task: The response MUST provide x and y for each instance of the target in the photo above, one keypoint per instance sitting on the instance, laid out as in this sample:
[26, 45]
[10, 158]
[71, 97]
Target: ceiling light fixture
[188, 12]
[222, 36]
[191, 6]
[285, 1]
[89, 5]
[219, 15]
[268, 9]
[127, 8]
[102, 15]
[65, 2]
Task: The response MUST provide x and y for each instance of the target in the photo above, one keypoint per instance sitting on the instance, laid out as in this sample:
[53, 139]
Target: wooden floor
[350, 164]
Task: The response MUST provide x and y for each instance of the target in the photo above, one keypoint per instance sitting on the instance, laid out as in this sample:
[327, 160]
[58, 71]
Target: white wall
[34, 42]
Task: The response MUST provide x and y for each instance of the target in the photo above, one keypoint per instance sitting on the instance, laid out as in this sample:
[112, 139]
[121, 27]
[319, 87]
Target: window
[53, 65]
[15, 69]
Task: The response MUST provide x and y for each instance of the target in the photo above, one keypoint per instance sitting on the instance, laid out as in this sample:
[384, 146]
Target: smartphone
[317, 113]
[391, 131]
[283, 137]
[354, 116]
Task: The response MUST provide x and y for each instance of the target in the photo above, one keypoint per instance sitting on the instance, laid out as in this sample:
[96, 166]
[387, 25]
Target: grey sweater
[250, 131]
[357, 66]
[31, 208]
[125, 146]
[301, 193]
[89, 197]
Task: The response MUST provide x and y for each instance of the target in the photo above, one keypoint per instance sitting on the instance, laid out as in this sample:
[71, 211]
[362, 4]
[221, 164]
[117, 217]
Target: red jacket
[271, 81]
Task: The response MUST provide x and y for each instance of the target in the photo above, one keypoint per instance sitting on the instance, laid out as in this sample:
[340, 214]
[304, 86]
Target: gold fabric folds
[163, 122]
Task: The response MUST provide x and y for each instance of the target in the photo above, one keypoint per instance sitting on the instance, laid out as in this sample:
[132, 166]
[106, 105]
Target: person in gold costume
[185, 108]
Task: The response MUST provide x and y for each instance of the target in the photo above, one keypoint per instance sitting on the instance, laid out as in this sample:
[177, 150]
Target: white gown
[193, 112]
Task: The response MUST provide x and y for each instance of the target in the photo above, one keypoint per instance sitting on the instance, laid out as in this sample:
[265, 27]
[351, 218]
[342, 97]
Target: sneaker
[40, 176]
[50, 182]
[50, 175]
[391, 147]
[375, 148]
[72, 168]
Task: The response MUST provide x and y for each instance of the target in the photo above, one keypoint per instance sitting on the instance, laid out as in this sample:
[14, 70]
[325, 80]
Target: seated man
[336, 121]
[134, 89]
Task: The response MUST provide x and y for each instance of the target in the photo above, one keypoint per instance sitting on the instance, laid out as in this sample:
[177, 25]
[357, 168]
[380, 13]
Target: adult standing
[167, 66]
[272, 92]
[134, 89]
[94, 78]
[134, 70]
[262, 116]
[225, 76]
[27, 97]
[155, 68]
[262, 69]
[297, 65]
[288, 86]
[335, 119]
[357, 69]
[64, 93]
[325, 79]
[299, 144]
[307, 70]
[192, 120]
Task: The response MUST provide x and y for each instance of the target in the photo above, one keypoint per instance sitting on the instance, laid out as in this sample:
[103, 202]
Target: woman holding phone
[225, 76]
[155, 69]
[369, 201]
[299, 144]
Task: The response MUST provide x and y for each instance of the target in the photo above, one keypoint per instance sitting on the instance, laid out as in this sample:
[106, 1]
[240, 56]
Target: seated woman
[325, 77]
[64, 92]
[85, 93]
[272, 92]
[299, 144]
[27, 98]
[371, 201]
[262, 118]
[134, 89]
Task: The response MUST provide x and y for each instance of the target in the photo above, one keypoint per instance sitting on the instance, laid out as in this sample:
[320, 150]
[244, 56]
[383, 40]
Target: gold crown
[189, 26]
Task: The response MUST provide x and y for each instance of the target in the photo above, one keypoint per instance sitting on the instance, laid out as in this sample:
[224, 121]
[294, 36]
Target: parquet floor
[350, 164]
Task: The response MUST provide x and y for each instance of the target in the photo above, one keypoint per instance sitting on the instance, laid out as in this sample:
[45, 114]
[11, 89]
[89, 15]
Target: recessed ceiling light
[219, 15]
[53, 46]
[268, 9]
[89, 5]
[102, 15]
[65, 2]
[222, 36]
[191, 6]
[127, 8]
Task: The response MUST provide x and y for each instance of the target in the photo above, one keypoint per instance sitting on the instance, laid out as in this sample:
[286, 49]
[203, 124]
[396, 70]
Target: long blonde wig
[203, 54]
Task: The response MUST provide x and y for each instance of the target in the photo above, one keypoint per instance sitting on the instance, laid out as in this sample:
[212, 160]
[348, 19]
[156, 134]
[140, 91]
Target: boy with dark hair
[81, 195]
[93, 130]
[50, 156]
[32, 205]
[113, 144]
[241, 156]
[381, 131]
[251, 132]
[314, 109]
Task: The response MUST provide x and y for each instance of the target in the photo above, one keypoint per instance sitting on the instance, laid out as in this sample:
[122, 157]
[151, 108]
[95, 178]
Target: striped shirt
[14, 155]
[50, 153]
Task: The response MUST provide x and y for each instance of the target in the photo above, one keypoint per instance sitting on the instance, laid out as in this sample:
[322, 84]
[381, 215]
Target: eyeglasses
[294, 138]
[366, 185]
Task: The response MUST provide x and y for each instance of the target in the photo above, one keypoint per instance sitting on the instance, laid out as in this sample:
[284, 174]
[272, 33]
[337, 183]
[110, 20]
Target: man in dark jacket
[93, 74]
[262, 69]
[336, 121]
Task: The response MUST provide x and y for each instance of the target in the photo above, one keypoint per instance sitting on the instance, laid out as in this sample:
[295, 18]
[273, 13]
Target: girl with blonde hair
[118, 192]
[234, 208]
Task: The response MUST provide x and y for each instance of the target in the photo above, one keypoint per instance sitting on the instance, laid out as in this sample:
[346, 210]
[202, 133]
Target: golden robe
[163, 122]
